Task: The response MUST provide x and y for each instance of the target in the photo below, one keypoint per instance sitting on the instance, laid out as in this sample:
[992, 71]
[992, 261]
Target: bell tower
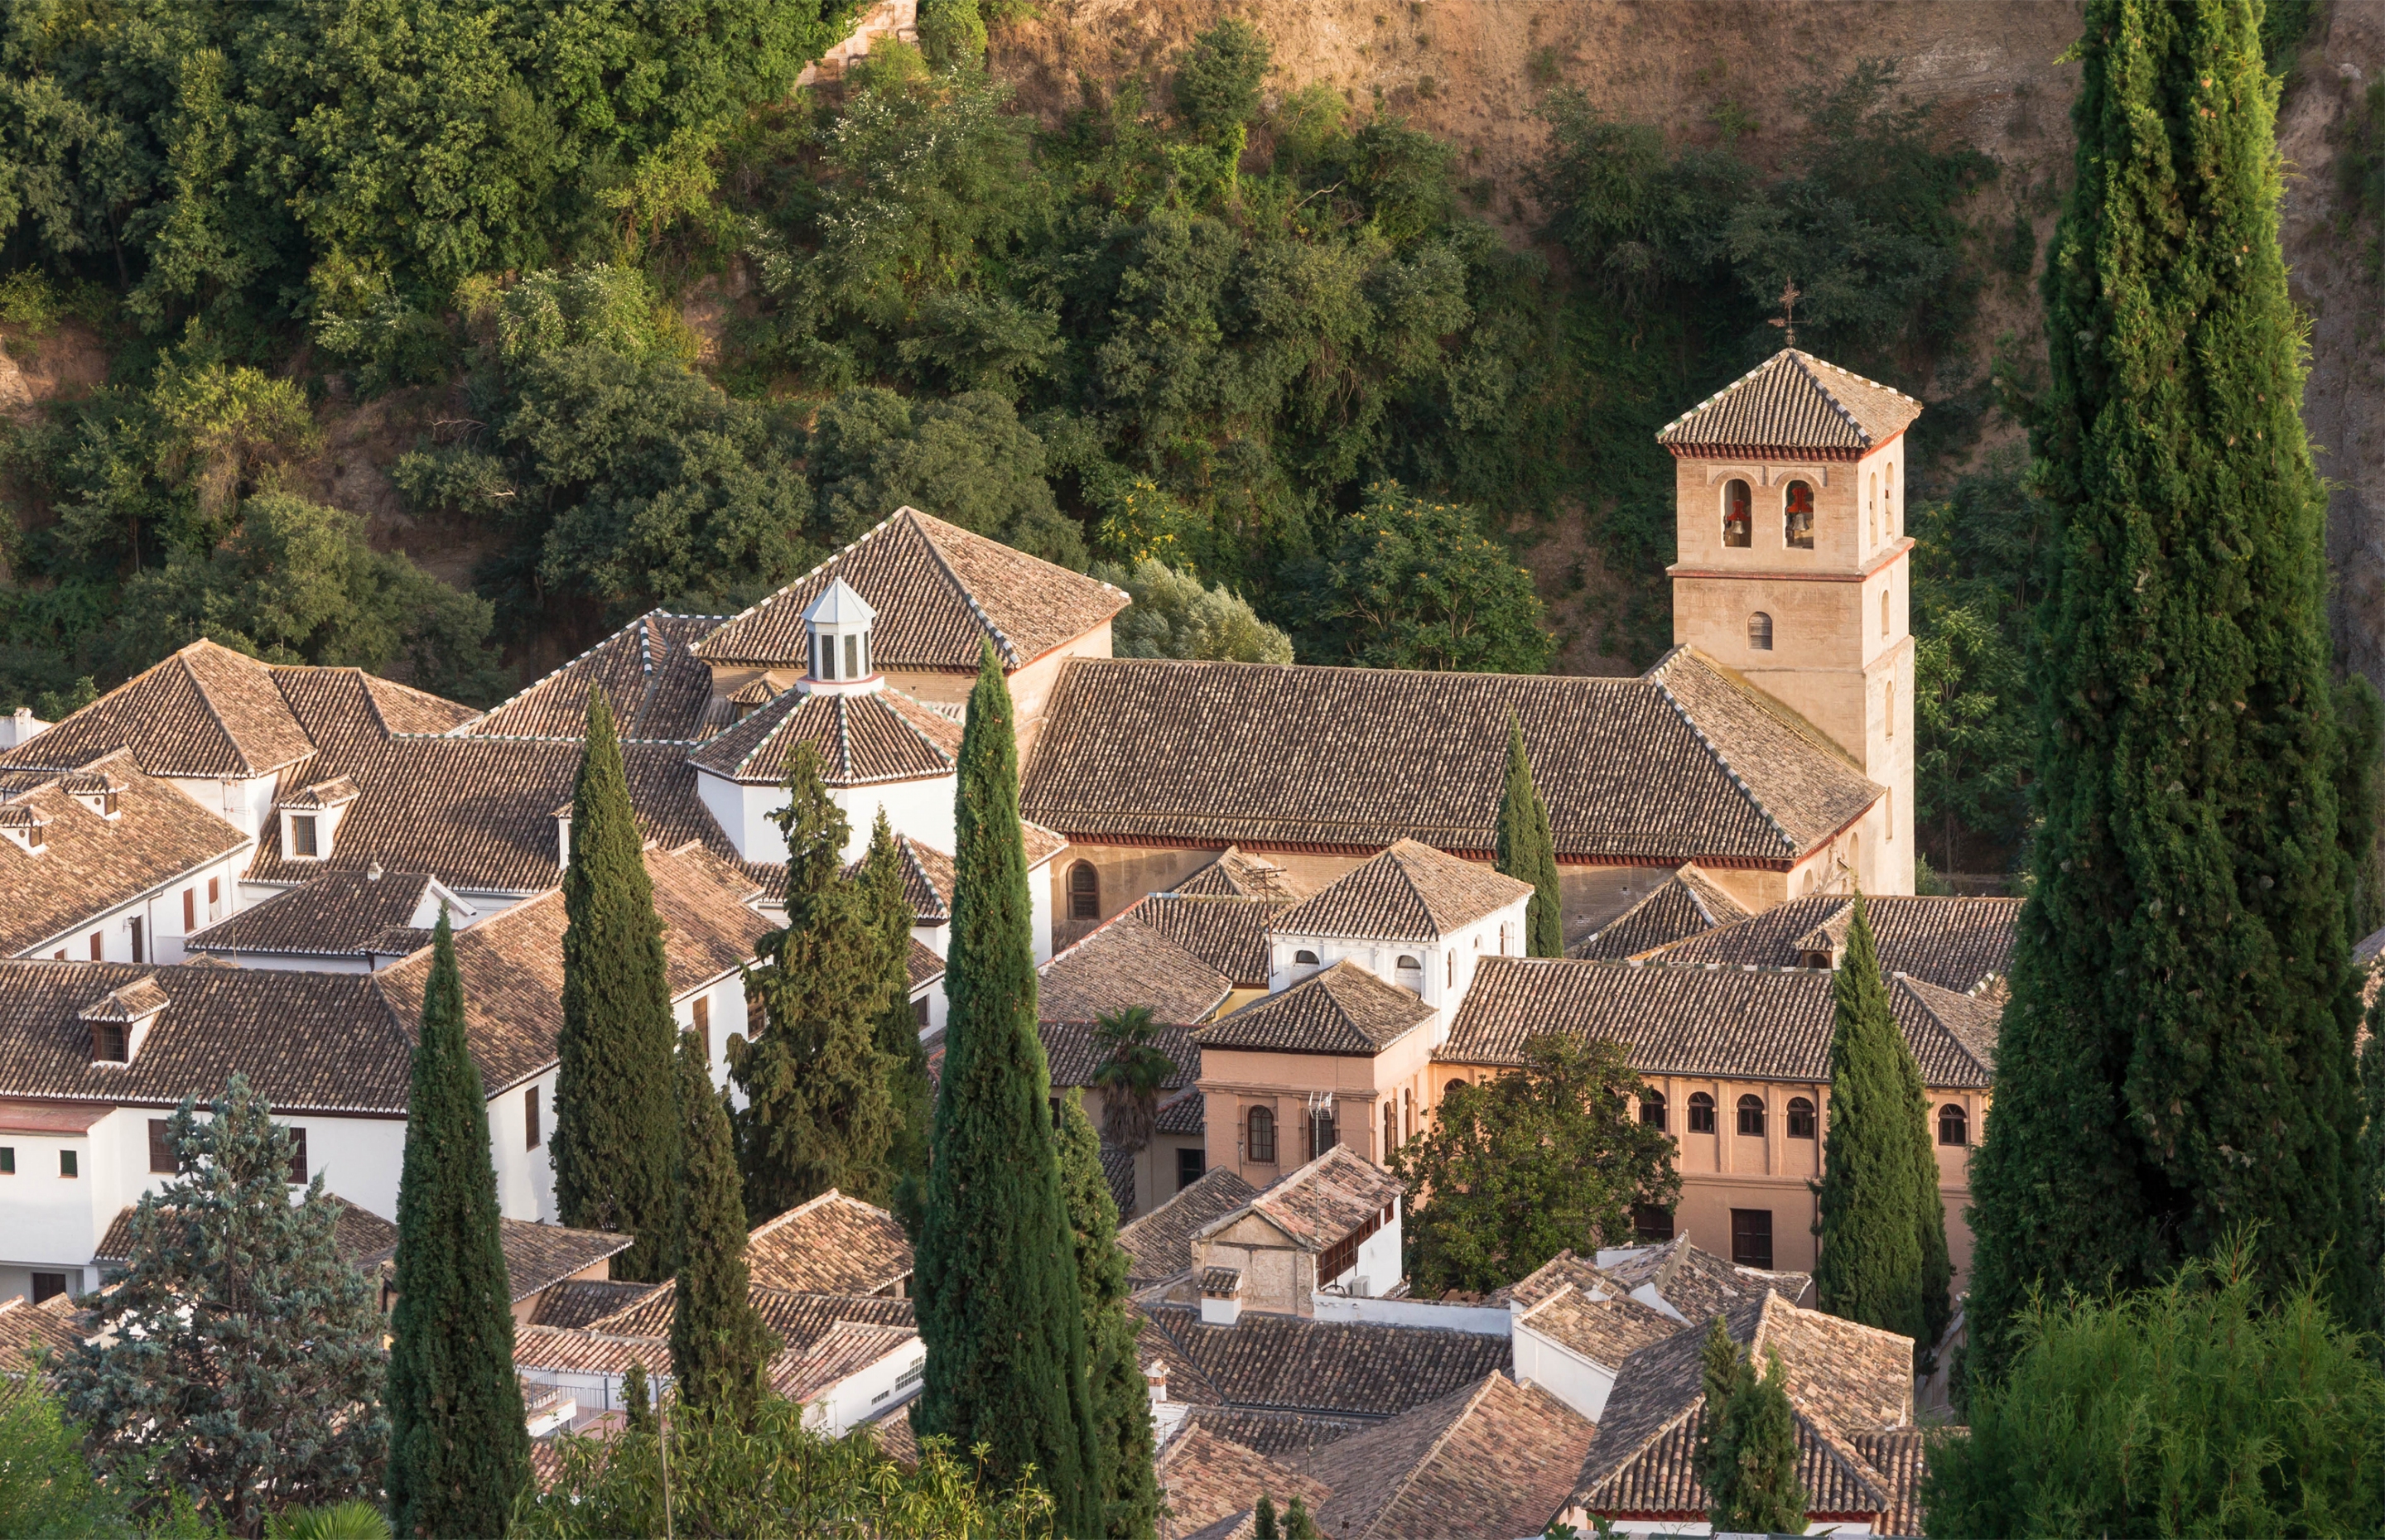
[1793, 569]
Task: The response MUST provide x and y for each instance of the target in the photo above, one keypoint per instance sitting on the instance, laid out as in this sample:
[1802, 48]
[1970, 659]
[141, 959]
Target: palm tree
[1132, 1071]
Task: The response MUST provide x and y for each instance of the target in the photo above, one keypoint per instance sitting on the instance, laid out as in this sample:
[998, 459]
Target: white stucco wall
[1448, 963]
[922, 809]
[870, 1391]
[159, 910]
[1563, 1373]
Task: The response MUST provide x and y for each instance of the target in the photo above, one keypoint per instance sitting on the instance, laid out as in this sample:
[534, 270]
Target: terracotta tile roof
[49, 1119]
[311, 1041]
[1746, 1022]
[538, 1257]
[797, 1320]
[1660, 1478]
[340, 914]
[1605, 1330]
[1324, 1201]
[1684, 904]
[1159, 1245]
[1186, 1114]
[89, 864]
[347, 712]
[557, 1349]
[1221, 1282]
[130, 1003]
[576, 1304]
[923, 965]
[26, 1329]
[205, 710]
[1233, 1526]
[927, 880]
[1124, 964]
[1795, 401]
[655, 685]
[1229, 934]
[401, 708]
[1411, 892]
[1332, 1367]
[338, 791]
[1071, 1049]
[891, 1431]
[1904, 1457]
[861, 740]
[1490, 1461]
[831, 1244]
[1696, 1283]
[1956, 944]
[849, 1348]
[1277, 1435]
[1343, 1010]
[941, 593]
[362, 1237]
[512, 964]
[1683, 762]
[1237, 874]
[1117, 1170]
[1206, 1477]
[1842, 1379]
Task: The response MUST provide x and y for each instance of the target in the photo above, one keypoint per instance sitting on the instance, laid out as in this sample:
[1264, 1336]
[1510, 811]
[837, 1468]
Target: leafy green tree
[1747, 1455]
[458, 1454]
[1414, 584]
[1971, 730]
[2215, 1401]
[238, 1363]
[2177, 1057]
[969, 461]
[1528, 852]
[909, 1090]
[1121, 1397]
[776, 1478]
[998, 1305]
[952, 34]
[819, 1088]
[295, 582]
[616, 1141]
[1218, 83]
[1869, 1200]
[1133, 1069]
[1530, 1163]
[718, 1343]
[47, 1487]
[1174, 616]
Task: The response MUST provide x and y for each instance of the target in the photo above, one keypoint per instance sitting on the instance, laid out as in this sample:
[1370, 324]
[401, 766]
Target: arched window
[1872, 506]
[1391, 1130]
[1750, 1115]
[1797, 517]
[1084, 892]
[1888, 707]
[1953, 1124]
[1700, 1113]
[1738, 514]
[1304, 958]
[1407, 964]
[1652, 1109]
[1800, 1118]
[1759, 632]
[1883, 615]
[1262, 1135]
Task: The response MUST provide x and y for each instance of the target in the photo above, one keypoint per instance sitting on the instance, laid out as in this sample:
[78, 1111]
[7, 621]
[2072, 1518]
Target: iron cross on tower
[1787, 320]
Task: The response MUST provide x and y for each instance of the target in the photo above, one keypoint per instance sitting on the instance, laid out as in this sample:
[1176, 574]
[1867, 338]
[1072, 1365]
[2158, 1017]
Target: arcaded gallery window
[1738, 514]
[1700, 1113]
[1797, 517]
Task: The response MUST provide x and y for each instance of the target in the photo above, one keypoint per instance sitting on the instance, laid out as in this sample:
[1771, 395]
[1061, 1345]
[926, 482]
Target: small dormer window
[26, 829]
[302, 836]
[108, 1042]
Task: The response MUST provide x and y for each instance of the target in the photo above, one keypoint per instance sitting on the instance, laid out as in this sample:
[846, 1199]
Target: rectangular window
[161, 1147]
[69, 1163]
[1652, 1223]
[828, 657]
[215, 897]
[48, 1285]
[133, 926]
[8, 1159]
[108, 1042]
[1751, 1237]
[919, 1013]
[302, 835]
[297, 1157]
[530, 1119]
[702, 1010]
[190, 909]
[1190, 1165]
[853, 657]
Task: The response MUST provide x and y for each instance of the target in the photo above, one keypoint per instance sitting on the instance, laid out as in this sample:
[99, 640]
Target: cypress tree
[613, 1139]
[1754, 1490]
[718, 1341]
[458, 1451]
[1528, 850]
[1121, 1397]
[2176, 1061]
[997, 1298]
[637, 1400]
[819, 1109]
[1870, 1219]
[909, 1090]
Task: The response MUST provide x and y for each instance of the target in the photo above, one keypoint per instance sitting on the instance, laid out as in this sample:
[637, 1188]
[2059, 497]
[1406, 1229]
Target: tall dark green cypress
[997, 1290]
[614, 1138]
[458, 1450]
[718, 1343]
[1528, 850]
[1869, 1205]
[2176, 1061]
[1749, 1464]
[1122, 1396]
[819, 1109]
[909, 1088]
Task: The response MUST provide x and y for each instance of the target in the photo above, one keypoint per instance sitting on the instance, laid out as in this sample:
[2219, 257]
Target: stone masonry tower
[1795, 569]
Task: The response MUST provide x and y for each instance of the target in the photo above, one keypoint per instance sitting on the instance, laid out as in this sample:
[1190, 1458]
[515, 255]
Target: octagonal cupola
[838, 625]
